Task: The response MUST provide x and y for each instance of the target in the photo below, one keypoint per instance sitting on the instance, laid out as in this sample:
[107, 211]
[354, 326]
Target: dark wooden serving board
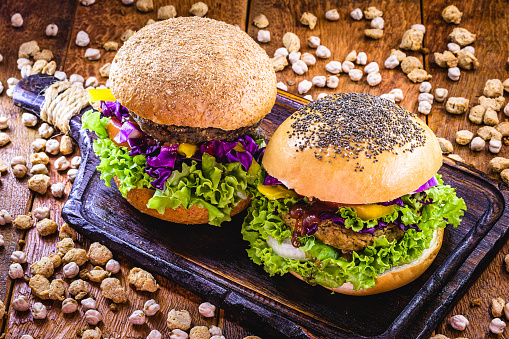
[212, 261]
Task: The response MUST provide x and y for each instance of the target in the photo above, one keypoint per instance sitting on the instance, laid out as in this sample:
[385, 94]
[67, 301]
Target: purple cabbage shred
[271, 181]
[161, 159]
[114, 108]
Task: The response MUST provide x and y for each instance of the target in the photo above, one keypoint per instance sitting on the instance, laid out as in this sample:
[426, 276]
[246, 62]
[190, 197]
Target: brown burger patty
[193, 135]
[345, 239]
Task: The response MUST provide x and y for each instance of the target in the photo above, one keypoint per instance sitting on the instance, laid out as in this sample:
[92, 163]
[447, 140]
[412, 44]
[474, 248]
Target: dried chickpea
[374, 33]
[43, 266]
[113, 290]
[445, 145]
[261, 21]
[46, 227]
[126, 35]
[332, 15]
[39, 183]
[57, 290]
[456, 105]
[57, 190]
[372, 12]
[464, 137]
[462, 37]
[308, 19]
[199, 9]
[20, 304]
[78, 289]
[199, 332]
[23, 222]
[412, 40]
[291, 41]
[179, 320]
[207, 310]
[166, 12]
[77, 255]
[39, 311]
[467, 60]
[137, 318]
[151, 307]
[40, 286]
[4, 139]
[142, 280]
[61, 164]
[70, 305]
[145, 5]
[39, 169]
[451, 14]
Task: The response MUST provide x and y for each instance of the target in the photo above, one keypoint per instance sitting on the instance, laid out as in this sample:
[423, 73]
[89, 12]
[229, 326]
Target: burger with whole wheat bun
[350, 198]
[179, 131]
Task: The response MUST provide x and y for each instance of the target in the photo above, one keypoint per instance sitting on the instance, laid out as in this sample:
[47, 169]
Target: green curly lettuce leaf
[92, 120]
[217, 187]
[211, 185]
[326, 266]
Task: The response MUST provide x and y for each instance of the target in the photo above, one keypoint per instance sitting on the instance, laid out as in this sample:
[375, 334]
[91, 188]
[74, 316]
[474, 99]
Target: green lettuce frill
[214, 186]
[327, 267]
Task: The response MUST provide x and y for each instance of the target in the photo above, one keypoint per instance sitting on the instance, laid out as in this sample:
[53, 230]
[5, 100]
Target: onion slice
[286, 249]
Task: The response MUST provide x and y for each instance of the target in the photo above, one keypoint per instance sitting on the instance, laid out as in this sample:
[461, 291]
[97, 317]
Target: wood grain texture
[14, 194]
[341, 37]
[489, 20]
[104, 21]
[110, 20]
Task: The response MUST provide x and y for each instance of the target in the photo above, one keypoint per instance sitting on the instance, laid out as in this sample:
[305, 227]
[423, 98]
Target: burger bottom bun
[139, 197]
[397, 276]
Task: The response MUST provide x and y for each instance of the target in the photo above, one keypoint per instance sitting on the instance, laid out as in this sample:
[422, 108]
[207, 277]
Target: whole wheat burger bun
[353, 148]
[397, 276]
[194, 72]
[139, 197]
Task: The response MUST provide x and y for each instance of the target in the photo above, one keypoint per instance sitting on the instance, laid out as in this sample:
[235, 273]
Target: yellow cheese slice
[365, 212]
[274, 192]
[239, 148]
[100, 94]
[373, 211]
[253, 169]
[187, 149]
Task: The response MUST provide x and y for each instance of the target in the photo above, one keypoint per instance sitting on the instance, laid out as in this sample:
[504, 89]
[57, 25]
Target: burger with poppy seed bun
[350, 198]
[179, 130]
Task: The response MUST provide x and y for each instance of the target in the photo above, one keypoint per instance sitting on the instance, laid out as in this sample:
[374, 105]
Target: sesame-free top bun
[139, 197]
[194, 72]
[400, 275]
[354, 149]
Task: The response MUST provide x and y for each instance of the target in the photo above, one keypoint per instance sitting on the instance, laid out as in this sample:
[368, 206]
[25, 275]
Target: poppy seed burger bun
[354, 149]
[194, 72]
[139, 197]
[397, 276]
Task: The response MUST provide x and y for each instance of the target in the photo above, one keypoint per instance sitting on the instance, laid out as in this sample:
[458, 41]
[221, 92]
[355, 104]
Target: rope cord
[62, 101]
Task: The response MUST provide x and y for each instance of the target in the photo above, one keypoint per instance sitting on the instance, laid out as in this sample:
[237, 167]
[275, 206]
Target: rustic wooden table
[108, 19]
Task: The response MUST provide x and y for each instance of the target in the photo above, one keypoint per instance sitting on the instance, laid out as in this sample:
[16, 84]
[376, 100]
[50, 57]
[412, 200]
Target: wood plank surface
[341, 37]
[14, 194]
[489, 20]
[107, 20]
[110, 20]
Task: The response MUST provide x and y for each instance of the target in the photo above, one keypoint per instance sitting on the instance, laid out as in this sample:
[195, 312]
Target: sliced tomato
[113, 128]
